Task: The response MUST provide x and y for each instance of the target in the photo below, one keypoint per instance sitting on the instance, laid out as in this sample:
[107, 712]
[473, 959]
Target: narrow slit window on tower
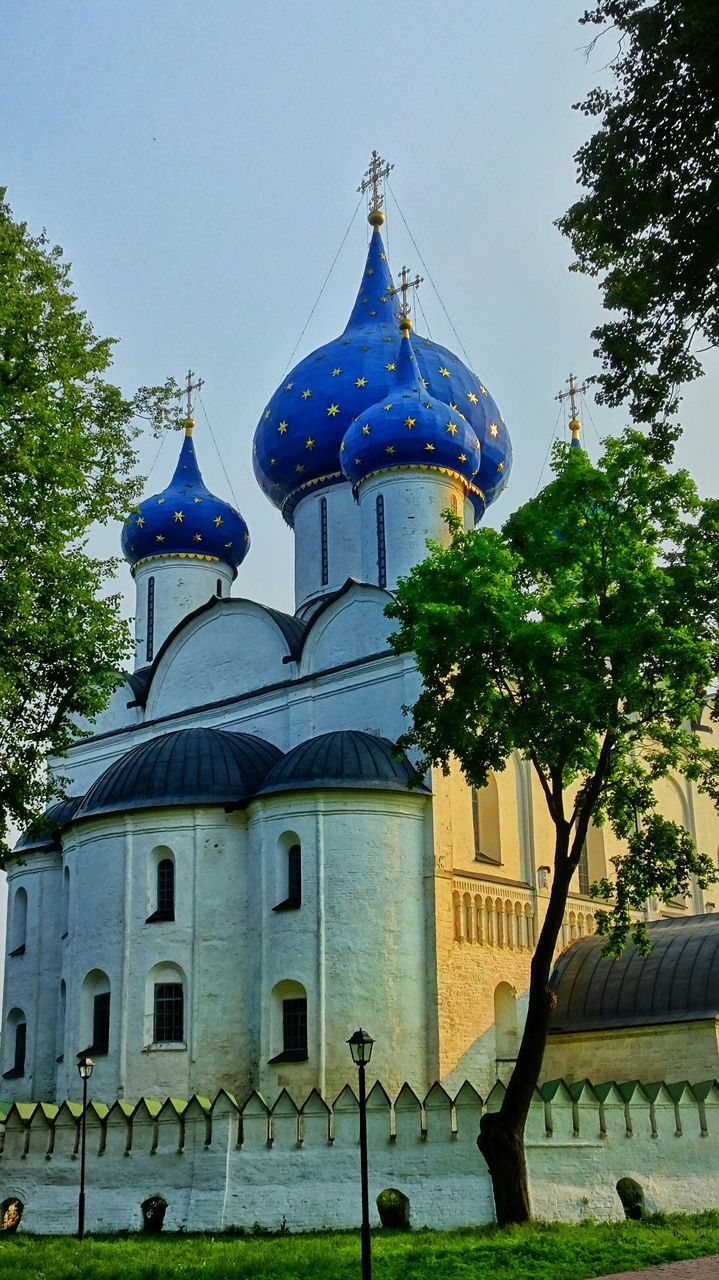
[149, 644]
[294, 880]
[18, 1066]
[584, 871]
[323, 542]
[165, 898]
[101, 1023]
[381, 548]
[476, 823]
[218, 592]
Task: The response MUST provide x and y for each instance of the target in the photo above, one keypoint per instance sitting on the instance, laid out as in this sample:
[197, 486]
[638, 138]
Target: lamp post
[84, 1066]
[361, 1049]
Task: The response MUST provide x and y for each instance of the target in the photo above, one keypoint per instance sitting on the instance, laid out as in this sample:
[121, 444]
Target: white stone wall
[222, 1166]
[413, 503]
[181, 586]
[343, 544]
[32, 977]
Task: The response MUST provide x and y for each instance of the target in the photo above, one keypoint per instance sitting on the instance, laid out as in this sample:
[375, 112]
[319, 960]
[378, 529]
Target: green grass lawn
[539, 1252]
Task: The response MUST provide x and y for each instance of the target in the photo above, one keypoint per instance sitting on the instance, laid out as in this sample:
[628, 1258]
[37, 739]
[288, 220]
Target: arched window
[65, 902]
[150, 628]
[583, 870]
[506, 1032]
[95, 1013]
[288, 1026]
[161, 885]
[457, 915]
[485, 822]
[165, 1005]
[16, 1045]
[19, 922]
[291, 872]
[324, 549]
[381, 545]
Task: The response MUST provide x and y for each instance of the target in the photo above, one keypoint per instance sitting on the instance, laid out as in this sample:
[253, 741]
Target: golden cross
[192, 386]
[404, 289]
[377, 170]
[572, 393]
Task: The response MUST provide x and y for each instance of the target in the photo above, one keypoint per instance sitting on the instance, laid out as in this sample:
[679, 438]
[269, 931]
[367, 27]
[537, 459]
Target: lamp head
[85, 1066]
[360, 1047]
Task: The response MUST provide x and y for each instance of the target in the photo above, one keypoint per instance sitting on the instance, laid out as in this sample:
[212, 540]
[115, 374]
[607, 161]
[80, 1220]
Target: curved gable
[232, 648]
[351, 625]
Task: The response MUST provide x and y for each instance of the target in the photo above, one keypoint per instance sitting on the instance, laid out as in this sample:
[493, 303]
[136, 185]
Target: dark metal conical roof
[677, 982]
[189, 766]
[345, 758]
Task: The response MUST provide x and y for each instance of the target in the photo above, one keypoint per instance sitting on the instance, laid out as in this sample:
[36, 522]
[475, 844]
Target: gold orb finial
[188, 424]
[405, 325]
[375, 217]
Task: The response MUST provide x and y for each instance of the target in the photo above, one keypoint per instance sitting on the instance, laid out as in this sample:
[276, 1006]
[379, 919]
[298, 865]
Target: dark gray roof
[345, 758]
[189, 766]
[677, 982]
[44, 834]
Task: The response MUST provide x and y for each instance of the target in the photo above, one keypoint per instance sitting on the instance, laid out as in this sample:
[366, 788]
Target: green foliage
[649, 225]
[584, 636]
[66, 454]
[542, 1251]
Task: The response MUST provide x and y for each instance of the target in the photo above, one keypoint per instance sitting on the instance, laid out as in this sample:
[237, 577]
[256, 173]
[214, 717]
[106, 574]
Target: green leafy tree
[66, 456]
[583, 636]
[648, 226]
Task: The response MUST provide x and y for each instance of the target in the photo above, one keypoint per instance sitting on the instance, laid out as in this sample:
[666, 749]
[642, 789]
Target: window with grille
[169, 1012]
[381, 546]
[101, 1022]
[584, 871]
[323, 542]
[294, 1027]
[166, 888]
[150, 642]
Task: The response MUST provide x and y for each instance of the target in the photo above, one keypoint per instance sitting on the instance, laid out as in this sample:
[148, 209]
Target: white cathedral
[241, 875]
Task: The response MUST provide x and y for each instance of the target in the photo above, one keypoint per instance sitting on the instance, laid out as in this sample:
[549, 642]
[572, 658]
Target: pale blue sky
[198, 164]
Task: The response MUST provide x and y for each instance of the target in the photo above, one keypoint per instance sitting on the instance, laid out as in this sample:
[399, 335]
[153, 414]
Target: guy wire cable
[546, 456]
[217, 451]
[324, 282]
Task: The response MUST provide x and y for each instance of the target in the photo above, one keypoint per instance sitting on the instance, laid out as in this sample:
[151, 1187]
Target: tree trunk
[501, 1136]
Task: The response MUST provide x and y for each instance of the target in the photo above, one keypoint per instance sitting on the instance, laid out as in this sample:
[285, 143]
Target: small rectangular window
[294, 1026]
[476, 823]
[169, 1019]
[294, 875]
[101, 1023]
[20, 1047]
[149, 645]
[219, 587]
[584, 871]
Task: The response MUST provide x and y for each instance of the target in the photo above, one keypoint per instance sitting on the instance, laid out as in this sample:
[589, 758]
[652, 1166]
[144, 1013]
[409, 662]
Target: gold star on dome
[299, 468]
[364, 348]
[360, 382]
[389, 367]
[228, 544]
[462, 457]
[493, 429]
[178, 517]
[336, 373]
[140, 521]
[365, 300]
[282, 427]
[452, 428]
[333, 410]
[273, 462]
[159, 537]
[388, 339]
[366, 430]
[444, 372]
[246, 536]
[388, 406]
[197, 499]
[306, 393]
[409, 423]
[373, 313]
[501, 419]
[483, 389]
[309, 443]
[197, 537]
[383, 297]
[473, 397]
[383, 257]
[370, 271]
[289, 386]
[217, 521]
[500, 466]
[358, 462]
[454, 406]
[428, 404]
[424, 382]
[389, 449]
[160, 501]
[267, 414]
[429, 447]
[342, 447]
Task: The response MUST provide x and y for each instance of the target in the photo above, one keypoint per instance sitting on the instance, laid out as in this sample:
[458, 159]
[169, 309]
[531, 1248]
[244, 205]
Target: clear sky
[199, 162]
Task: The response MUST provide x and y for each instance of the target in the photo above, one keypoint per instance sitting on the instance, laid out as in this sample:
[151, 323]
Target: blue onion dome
[411, 427]
[185, 520]
[298, 437]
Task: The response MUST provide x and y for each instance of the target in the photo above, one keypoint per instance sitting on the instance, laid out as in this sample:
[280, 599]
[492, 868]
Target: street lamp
[361, 1049]
[84, 1066]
